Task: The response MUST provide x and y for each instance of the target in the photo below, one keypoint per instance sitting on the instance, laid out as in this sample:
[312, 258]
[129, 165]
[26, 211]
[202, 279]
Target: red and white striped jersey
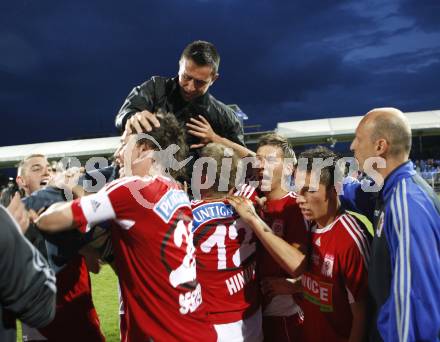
[337, 276]
[226, 260]
[284, 217]
[247, 191]
[154, 256]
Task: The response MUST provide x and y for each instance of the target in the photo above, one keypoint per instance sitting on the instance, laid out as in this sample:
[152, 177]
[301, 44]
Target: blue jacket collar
[405, 170]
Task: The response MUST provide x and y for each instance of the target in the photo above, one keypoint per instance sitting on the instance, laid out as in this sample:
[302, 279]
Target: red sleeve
[78, 217]
[90, 210]
[354, 258]
[355, 273]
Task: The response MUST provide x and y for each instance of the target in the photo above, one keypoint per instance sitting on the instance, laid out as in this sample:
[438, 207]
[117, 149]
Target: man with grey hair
[404, 278]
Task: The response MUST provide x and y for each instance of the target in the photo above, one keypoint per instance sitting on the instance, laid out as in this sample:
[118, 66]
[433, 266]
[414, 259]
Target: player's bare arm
[56, 218]
[202, 129]
[287, 256]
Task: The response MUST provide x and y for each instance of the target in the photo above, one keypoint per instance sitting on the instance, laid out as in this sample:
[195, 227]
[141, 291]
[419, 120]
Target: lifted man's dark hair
[203, 54]
[169, 132]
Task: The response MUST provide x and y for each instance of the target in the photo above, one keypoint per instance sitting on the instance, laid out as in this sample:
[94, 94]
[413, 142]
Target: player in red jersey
[282, 316]
[225, 250]
[335, 283]
[74, 292]
[73, 300]
[152, 239]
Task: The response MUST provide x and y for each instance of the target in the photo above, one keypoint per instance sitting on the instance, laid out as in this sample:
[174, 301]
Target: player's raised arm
[80, 214]
[202, 129]
[57, 218]
[287, 256]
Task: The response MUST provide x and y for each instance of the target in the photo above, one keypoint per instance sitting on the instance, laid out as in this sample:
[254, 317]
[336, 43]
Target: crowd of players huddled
[195, 270]
[213, 242]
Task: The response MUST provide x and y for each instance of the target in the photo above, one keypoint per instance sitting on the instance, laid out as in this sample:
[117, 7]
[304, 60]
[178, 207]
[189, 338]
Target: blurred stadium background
[336, 133]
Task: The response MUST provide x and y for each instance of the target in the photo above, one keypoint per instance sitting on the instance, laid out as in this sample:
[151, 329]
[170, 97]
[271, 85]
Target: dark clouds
[424, 14]
[65, 67]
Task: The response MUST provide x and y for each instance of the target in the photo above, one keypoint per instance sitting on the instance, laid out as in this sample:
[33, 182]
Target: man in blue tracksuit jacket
[404, 270]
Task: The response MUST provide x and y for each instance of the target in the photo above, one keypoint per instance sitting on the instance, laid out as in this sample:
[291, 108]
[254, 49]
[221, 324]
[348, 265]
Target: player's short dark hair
[273, 139]
[327, 176]
[169, 132]
[202, 53]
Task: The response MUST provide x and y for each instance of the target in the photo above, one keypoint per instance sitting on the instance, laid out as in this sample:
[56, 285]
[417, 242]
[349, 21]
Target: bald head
[392, 125]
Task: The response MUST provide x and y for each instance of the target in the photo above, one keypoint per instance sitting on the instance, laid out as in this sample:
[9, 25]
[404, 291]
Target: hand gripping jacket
[162, 94]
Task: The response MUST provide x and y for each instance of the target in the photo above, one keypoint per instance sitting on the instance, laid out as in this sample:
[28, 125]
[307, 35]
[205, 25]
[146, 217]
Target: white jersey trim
[290, 194]
[248, 329]
[245, 190]
[350, 296]
[97, 208]
[120, 182]
[359, 232]
[315, 229]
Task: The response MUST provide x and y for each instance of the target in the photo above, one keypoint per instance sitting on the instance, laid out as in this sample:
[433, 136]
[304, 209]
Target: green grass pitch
[105, 298]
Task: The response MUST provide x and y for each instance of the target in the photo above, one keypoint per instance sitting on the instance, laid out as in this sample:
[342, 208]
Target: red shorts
[76, 318]
[282, 329]
[83, 327]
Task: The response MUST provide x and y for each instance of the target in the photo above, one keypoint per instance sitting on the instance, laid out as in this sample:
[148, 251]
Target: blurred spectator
[429, 170]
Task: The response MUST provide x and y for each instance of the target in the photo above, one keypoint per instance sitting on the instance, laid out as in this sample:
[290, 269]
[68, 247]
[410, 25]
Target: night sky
[67, 66]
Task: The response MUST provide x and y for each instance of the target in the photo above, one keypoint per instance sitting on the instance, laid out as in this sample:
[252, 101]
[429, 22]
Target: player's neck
[325, 221]
[276, 194]
[391, 165]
